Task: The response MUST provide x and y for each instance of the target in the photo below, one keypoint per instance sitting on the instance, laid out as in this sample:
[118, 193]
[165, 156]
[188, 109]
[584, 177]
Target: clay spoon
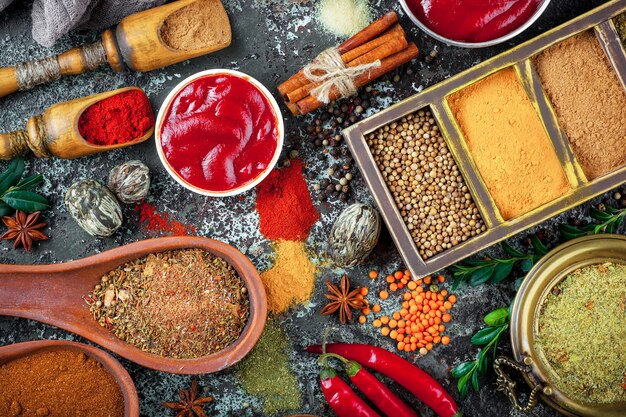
[110, 364]
[53, 294]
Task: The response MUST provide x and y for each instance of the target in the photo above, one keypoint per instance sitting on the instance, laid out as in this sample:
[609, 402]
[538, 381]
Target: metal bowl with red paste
[474, 22]
[220, 132]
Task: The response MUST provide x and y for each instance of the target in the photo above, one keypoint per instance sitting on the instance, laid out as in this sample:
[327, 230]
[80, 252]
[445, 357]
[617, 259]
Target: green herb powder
[582, 333]
[620, 25]
[265, 372]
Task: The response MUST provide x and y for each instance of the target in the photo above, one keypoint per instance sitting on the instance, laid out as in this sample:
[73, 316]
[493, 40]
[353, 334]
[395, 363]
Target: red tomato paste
[220, 132]
[473, 20]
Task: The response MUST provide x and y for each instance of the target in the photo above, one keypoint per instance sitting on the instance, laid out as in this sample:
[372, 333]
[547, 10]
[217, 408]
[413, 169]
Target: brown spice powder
[199, 25]
[292, 278]
[508, 143]
[58, 383]
[589, 102]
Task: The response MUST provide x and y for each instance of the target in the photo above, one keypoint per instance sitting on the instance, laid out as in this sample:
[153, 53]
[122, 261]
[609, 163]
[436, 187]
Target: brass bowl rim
[524, 312]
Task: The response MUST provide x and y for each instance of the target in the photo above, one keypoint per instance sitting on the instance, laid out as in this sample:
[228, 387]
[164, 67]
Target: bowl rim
[545, 274]
[165, 105]
[484, 44]
[111, 365]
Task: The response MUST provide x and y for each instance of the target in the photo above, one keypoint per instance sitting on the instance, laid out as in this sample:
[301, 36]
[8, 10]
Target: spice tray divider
[434, 98]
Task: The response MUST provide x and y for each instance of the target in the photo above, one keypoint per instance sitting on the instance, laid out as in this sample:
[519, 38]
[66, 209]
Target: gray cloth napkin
[54, 18]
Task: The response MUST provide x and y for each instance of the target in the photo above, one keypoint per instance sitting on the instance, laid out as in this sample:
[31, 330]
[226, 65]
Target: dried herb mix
[581, 333]
[266, 373]
[508, 143]
[620, 25]
[183, 303]
[58, 383]
[426, 183]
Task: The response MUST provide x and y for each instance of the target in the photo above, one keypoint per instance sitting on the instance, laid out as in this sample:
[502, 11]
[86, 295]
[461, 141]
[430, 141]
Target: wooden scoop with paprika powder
[143, 41]
[84, 126]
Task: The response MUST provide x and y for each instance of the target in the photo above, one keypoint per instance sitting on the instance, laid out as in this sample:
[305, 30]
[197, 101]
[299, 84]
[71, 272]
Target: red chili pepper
[417, 381]
[341, 398]
[382, 397]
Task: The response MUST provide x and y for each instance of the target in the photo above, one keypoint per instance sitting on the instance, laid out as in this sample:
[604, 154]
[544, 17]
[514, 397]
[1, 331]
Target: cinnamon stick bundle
[367, 34]
[383, 41]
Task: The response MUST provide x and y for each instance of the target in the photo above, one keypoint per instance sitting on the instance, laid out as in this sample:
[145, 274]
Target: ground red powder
[284, 204]
[118, 119]
[162, 223]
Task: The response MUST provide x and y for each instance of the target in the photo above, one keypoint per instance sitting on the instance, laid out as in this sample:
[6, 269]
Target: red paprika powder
[118, 119]
[284, 204]
[161, 223]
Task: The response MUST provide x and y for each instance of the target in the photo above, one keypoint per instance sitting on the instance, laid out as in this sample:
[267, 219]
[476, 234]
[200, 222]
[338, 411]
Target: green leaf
[5, 210]
[497, 317]
[502, 271]
[480, 276]
[29, 182]
[11, 175]
[25, 201]
[538, 246]
[475, 381]
[462, 385]
[462, 369]
[570, 232]
[610, 228]
[484, 336]
[484, 361]
[526, 265]
[599, 215]
[511, 251]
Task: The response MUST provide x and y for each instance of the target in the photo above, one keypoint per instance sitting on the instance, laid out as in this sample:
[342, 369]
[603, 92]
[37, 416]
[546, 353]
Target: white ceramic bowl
[160, 120]
[463, 44]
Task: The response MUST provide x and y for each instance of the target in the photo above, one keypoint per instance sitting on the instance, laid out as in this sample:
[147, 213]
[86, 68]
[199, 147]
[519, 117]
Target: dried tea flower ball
[130, 181]
[94, 208]
[354, 235]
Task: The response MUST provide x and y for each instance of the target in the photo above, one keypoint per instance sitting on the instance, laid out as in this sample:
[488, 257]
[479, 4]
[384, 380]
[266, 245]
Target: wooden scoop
[53, 294]
[135, 43]
[55, 132]
[20, 350]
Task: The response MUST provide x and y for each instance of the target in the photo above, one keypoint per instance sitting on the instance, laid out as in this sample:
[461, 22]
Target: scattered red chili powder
[118, 119]
[284, 204]
[161, 223]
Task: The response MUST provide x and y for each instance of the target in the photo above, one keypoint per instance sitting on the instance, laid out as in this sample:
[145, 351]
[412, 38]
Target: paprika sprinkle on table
[161, 223]
[183, 304]
[219, 132]
[284, 204]
[58, 383]
[118, 119]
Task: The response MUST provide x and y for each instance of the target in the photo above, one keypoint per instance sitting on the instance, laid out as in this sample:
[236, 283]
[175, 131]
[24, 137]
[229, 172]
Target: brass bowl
[539, 282]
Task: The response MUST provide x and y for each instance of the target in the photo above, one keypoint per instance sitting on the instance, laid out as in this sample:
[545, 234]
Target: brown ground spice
[589, 102]
[199, 25]
[59, 383]
[508, 143]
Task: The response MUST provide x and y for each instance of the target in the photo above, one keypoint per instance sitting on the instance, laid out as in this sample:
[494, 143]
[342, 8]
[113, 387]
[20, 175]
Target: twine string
[328, 70]
[32, 73]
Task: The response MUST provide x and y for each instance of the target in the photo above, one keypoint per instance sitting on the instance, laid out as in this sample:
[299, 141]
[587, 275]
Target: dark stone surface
[272, 39]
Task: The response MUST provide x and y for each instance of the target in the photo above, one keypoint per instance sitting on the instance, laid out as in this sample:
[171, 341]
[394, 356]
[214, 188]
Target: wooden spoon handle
[75, 61]
[40, 292]
[13, 144]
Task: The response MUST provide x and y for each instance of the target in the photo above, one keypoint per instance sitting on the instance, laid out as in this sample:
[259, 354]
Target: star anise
[23, 229]
[342, 300]
[189, 405]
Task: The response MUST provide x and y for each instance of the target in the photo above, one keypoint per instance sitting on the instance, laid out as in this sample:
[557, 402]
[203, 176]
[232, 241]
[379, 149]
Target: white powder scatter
[344, 17]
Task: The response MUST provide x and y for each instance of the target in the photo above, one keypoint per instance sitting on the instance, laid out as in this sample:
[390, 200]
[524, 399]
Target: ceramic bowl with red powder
[219, 133]
[474, 23]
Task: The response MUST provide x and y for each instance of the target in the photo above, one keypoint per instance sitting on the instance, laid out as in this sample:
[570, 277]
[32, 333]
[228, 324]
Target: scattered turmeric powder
[292, 278]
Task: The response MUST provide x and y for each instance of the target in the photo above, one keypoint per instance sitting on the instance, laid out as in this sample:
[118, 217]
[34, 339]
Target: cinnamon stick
[299, 80]
[367, 34]
[310, 103]
[383, 51]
